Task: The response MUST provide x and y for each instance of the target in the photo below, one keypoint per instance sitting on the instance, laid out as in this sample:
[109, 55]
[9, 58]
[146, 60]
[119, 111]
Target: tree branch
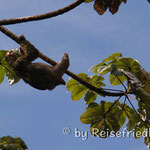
[69, 73]
[9, 34]
[42, 16]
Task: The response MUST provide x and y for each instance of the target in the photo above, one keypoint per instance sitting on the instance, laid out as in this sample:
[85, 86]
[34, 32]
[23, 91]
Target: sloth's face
[12, 56]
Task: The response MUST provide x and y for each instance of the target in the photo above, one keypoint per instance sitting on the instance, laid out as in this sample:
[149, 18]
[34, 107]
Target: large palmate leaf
[112, 57]
[116, 59]
[78, 90]
[105, 117]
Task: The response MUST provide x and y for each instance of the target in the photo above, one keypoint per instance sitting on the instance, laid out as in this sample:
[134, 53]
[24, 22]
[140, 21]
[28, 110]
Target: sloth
[38, 75]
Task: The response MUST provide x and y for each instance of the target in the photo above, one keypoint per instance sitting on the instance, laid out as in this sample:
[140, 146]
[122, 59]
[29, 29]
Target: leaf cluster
[110, 117]
[12, 143]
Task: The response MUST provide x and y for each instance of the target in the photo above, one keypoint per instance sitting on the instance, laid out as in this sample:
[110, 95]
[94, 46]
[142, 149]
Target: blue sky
[40, 116]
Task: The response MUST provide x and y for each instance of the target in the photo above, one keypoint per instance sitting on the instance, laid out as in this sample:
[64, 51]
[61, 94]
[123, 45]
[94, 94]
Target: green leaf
[96, 78]
[83, 76]
[112, 57]
[2, 74]
[92, 115]
[99, 127]
[71, 84]
[96, 81]
[92, 105]
[133, 118]
[2, 54]
[108, 116]
[116, 116]
[114, 80]
[102, 70]
[148, 1]
[128, 64]
[78, 92]
[122, 118]
[95, 67]
[112, 121]
[125, 63]
[11, 75]
[90, 96]
[105, 105]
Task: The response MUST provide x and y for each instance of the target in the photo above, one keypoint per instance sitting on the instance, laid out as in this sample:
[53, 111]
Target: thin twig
[121, 83]
[111, 106]
[42, 16]
[134, 109]
[71, 74]
[125, 99]
[113, 90]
